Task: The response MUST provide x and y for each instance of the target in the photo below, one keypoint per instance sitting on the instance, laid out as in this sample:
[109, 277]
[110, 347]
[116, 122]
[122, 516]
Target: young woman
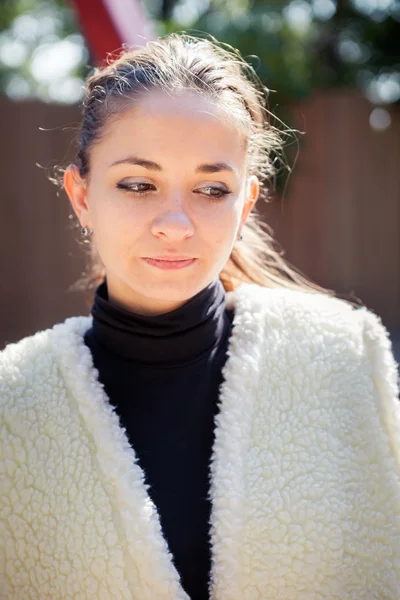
[218, 427]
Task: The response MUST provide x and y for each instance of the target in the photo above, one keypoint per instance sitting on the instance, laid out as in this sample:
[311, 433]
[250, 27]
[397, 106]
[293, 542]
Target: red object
[107, 24]
[98, 28]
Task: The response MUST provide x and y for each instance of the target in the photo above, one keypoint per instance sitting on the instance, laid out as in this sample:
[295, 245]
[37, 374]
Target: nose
[173, 224]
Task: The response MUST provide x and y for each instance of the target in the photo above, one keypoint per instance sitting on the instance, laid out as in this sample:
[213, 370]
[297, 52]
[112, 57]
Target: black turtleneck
[163, 374]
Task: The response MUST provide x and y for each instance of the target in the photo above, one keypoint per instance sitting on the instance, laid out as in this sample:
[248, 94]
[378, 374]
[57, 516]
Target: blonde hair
[178, 62]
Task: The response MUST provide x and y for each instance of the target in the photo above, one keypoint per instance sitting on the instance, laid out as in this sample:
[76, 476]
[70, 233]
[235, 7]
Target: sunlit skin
[177, 211]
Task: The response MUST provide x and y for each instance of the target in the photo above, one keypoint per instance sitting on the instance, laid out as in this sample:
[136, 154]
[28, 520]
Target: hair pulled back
[181, 62]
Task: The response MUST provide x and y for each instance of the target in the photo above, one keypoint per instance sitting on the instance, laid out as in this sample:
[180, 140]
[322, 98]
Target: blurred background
[333, 71]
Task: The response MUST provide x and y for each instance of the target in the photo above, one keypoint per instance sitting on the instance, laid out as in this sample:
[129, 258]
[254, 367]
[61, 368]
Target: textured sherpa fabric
[305, 473]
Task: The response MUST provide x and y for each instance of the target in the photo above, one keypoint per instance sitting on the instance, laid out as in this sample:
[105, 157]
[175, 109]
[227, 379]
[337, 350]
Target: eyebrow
[153, 166]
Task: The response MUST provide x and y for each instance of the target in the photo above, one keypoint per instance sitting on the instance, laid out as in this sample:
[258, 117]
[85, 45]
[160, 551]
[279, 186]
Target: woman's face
[167, 177]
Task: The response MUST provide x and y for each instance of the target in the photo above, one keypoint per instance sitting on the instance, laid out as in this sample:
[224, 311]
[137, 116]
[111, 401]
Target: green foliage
[30, 28]
[347, 50]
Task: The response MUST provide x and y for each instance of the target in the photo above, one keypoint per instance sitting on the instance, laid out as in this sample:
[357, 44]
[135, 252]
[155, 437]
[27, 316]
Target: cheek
[117, 218]
[220, 235]
[224, 220]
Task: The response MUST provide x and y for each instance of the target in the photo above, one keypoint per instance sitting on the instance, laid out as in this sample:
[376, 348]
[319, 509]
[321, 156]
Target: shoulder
[26, 369]
[293, 308]
[319, 319]
[29, 367]
[20, 360]
[328, 335]
[322, 336]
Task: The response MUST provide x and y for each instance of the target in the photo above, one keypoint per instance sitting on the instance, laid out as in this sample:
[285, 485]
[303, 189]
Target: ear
[251, 196]
[75, 187]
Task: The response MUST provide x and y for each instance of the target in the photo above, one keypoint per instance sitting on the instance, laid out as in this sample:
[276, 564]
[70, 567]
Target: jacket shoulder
[318, 318]
[28, 367]
[19, 361]
[335, 330]
[384, 376]
[297, 307]
[361, 326]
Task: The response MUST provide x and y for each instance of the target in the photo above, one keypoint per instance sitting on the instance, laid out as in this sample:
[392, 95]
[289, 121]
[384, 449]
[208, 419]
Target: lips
[170, 257]
[169, 264]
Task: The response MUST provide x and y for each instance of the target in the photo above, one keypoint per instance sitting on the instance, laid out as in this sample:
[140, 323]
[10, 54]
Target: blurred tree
[317, 43]
[294, 46]
[42, 54]
[167, 7]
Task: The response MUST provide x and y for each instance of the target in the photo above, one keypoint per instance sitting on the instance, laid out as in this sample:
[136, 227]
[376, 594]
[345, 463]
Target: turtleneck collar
[181, 336]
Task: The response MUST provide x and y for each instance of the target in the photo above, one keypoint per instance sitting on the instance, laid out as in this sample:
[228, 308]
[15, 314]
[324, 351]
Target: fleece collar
[152, 573]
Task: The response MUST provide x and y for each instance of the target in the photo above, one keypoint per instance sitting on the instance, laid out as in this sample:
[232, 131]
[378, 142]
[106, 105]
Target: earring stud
[86, 232]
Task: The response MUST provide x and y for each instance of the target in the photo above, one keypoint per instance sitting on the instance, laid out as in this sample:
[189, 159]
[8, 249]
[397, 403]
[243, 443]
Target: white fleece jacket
[305, 474]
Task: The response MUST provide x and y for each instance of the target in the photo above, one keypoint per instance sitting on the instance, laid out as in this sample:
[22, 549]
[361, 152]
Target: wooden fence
[341, 214]
[339, 221]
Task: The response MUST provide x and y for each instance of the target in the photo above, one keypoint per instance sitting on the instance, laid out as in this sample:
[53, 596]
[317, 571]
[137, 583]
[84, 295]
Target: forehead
[169, 128]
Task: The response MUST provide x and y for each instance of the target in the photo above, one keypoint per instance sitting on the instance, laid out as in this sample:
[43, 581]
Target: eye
[213, 193]
[136, 188]
[216, 193]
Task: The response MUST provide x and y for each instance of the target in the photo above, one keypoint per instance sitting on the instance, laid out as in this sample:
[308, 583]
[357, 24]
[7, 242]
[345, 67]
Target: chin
[173, 290]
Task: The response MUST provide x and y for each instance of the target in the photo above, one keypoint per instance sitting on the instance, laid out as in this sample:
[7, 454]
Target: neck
[183, 335]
